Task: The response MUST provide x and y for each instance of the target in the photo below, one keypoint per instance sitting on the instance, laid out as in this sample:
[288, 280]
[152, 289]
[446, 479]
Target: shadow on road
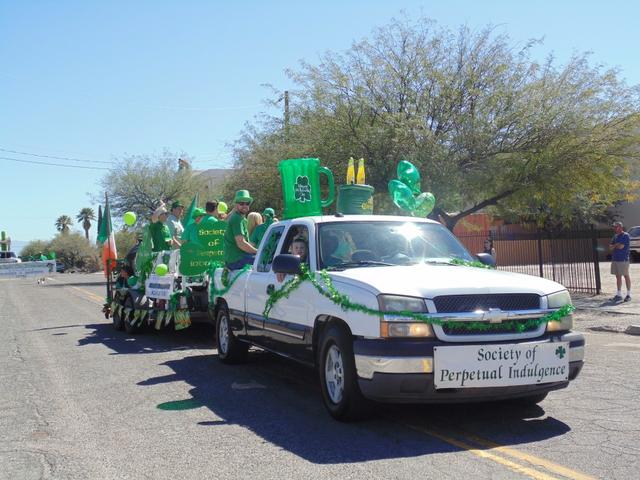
[280, 401]
[197, 336]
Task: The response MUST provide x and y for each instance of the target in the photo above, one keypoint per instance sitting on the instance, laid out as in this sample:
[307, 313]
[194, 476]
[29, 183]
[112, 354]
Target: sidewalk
[598, 312]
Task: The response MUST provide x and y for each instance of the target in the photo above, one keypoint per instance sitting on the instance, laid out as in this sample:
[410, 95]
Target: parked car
[634, 233]
[60, 268]
[9, 257]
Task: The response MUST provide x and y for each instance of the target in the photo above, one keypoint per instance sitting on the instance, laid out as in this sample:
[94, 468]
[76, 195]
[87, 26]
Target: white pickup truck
[466, 333]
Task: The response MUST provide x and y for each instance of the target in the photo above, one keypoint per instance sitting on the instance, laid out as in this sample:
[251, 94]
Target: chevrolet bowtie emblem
[495, 315]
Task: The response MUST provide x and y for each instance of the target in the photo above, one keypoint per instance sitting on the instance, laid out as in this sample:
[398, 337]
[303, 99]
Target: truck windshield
[356, 244]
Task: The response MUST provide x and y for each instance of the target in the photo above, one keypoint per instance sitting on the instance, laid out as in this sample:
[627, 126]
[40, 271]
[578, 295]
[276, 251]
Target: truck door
[286, 330]
[259, 282]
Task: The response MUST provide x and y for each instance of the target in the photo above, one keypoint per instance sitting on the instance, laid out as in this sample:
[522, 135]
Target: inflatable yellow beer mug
[301, 187]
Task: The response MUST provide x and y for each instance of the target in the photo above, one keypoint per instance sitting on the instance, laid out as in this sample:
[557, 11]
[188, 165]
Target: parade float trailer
[386, 308]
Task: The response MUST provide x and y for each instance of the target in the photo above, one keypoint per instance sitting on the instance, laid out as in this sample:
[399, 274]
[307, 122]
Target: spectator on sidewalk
[619, 248]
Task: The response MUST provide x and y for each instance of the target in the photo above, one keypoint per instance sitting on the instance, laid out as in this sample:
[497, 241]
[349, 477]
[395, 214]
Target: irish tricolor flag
[107, 239]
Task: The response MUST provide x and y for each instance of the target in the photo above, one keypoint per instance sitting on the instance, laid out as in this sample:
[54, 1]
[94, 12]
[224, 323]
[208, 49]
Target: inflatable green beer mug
[301, 187]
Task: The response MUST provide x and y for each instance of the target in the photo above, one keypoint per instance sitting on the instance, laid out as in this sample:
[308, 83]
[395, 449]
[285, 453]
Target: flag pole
[108, 260]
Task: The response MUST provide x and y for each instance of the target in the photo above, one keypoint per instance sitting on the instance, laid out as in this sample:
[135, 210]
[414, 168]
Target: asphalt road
[79, 400]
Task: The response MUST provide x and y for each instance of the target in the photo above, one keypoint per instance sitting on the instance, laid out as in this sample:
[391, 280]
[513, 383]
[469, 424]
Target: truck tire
[117, 321]
[339, 378]
[230, 349]
[126, 319]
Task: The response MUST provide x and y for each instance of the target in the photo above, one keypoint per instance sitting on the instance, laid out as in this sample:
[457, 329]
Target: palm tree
[85, 216]
[63, 223]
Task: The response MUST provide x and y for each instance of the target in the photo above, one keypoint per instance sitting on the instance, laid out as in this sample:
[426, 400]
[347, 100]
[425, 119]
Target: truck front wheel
[339, 378]
[230, 349]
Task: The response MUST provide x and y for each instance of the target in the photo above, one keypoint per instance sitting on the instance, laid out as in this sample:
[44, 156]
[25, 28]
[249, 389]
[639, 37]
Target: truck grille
[510, 327]
[471, 303]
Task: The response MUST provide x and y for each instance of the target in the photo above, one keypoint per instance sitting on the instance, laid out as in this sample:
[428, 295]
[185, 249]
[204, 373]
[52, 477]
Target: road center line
[90, 294]
[516, 467]
[532, 459]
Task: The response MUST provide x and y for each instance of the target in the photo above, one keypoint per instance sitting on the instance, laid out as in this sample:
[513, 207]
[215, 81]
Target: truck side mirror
[286, 263]
[487, 259]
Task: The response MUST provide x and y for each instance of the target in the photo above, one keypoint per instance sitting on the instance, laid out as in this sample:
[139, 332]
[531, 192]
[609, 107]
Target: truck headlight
[559, 300]
[397, 326]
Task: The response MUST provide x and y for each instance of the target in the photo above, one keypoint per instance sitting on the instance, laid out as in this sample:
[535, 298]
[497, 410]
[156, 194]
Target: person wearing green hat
[191, 232]
[238, 252]
[175, 224]
[258, 232]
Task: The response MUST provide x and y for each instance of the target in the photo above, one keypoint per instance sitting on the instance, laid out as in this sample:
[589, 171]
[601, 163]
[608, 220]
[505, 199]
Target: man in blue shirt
[619, 248]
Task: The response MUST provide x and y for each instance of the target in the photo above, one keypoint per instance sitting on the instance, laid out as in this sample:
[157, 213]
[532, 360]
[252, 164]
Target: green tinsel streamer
[226, 282]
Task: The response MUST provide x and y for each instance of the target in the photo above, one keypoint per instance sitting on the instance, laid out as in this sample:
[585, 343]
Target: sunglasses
[244, 203]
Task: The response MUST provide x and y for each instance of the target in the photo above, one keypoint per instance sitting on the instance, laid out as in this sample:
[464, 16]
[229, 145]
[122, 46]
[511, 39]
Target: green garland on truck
[328, 290]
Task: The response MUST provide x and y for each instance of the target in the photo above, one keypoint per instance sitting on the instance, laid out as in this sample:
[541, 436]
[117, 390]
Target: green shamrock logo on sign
[302, 189]
[560, 351]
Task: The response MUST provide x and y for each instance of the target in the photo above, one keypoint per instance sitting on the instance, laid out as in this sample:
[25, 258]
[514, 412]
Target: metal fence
[569, 257]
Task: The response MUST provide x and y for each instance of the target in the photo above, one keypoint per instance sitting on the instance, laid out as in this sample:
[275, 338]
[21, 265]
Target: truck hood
[432, 280]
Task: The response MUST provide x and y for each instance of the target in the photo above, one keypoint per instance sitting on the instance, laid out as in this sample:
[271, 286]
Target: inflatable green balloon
[162, 269]
[424, 204]
[222, 207]
[409, 175]
[402, 195]
[130, 218]
[131, 281]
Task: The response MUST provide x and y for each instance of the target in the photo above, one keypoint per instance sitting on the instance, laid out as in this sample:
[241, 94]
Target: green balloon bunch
[406, 193]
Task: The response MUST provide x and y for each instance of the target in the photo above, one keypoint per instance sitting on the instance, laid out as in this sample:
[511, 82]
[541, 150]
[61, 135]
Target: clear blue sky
[99, 80]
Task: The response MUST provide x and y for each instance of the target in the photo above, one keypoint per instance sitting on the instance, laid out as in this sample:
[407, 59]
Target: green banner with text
[204, 245]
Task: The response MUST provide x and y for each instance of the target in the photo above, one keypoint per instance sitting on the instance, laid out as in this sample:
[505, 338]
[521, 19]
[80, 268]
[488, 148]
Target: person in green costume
[238, 252]
[191, 232]
[211, 207]
[160, 234]
[259, 231]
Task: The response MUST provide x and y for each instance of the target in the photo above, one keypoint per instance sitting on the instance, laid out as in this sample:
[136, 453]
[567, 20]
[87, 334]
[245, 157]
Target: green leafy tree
[139, 182]
[73, 250]
[125, 240]
[63, 223]
[85, 216]
[35, 248]
[487, 125]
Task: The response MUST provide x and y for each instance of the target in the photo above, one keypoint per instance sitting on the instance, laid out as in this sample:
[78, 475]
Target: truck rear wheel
[230, 349]
[339, 378]
[117, 322]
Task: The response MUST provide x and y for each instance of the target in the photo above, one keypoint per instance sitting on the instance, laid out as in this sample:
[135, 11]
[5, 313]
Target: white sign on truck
[159, 287]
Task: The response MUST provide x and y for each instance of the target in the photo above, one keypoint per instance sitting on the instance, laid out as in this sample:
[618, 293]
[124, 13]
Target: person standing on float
[238, 252]
[175, 224]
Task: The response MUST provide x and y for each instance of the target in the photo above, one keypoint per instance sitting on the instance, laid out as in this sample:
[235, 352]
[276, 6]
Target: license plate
[475, 366]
